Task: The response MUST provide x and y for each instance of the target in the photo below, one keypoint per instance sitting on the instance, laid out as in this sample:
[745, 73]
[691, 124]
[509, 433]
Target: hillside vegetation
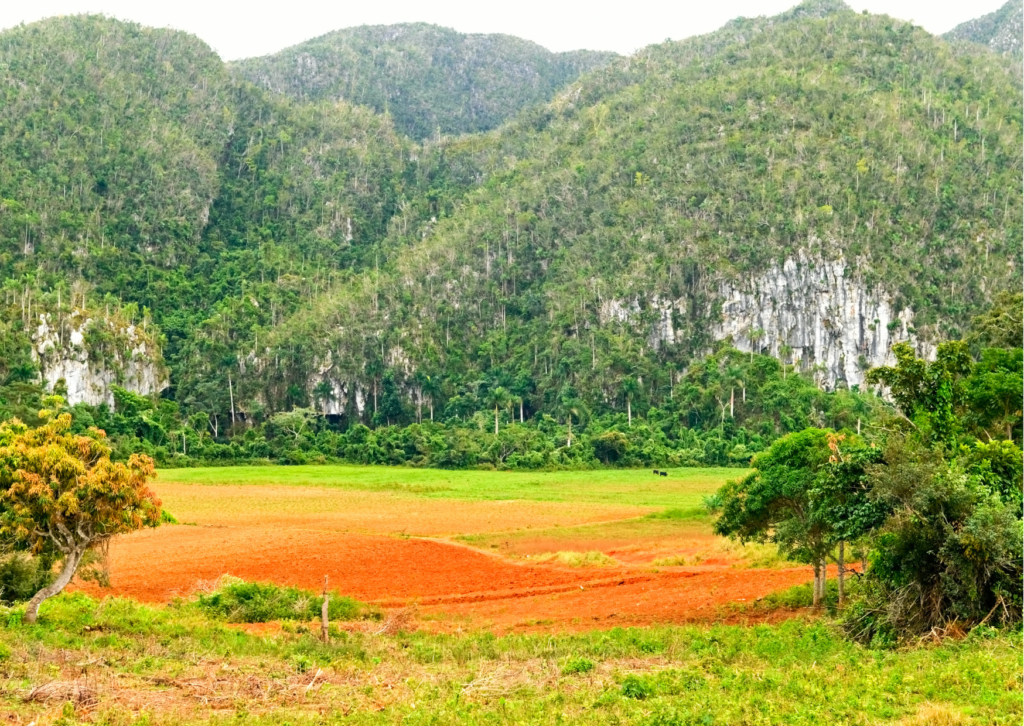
[1002, 30]
[303, 252]
[429, 79]
[627, 204]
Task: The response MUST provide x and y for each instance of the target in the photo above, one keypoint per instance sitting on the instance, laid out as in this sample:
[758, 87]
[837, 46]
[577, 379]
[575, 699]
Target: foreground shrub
[950, 553]
[577, 665]
[260, 602]
[22, 576]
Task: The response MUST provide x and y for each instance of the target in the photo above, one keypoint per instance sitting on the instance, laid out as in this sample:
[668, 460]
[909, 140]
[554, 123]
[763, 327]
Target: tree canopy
[60, 490]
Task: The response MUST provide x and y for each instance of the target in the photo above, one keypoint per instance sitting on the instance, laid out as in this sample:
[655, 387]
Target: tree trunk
[732, 402]
[431, 409]
[816, 592]
[629, 411]
[520, 410]
[231, 393]
[842, 573]
[70, 566]
[495, 420]
[568, 442]
[824, 580]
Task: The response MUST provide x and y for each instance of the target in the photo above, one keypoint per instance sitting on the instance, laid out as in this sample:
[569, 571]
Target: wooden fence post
[323, 615]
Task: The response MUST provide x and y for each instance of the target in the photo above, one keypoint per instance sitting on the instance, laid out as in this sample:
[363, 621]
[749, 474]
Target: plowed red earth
[157, 565]
[453, 586]
[681, 596]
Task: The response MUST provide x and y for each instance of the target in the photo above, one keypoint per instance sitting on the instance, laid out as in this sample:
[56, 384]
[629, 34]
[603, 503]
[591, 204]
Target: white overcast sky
[242, 29]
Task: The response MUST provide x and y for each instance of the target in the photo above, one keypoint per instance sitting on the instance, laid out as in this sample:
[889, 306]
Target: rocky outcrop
[1000, 30]
[93, 353]
[813, 314]
[818, 316]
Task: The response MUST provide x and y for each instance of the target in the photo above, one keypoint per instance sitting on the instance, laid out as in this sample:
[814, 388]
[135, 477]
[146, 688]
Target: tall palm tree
[630, 387]
[572, 407]
[499, 397]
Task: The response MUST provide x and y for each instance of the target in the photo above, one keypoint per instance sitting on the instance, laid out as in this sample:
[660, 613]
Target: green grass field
[682, 488]
[134, 664]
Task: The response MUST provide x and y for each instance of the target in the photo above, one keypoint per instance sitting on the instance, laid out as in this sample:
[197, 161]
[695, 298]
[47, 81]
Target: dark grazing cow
[664, 473]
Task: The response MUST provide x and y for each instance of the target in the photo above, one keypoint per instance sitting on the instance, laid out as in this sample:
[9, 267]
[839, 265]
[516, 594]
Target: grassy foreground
[682, 488]
[118, 662]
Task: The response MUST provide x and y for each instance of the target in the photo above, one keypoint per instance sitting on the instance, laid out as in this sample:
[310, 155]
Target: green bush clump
[22, 576]
[260, 602]
[576, 665]
[637, 688]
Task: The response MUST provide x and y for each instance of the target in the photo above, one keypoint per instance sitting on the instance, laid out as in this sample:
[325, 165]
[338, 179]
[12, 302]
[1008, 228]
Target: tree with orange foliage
[61, 490]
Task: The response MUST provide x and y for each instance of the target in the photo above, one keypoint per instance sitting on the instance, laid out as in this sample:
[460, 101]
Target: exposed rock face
[336, 403]
[812, 314]
[129, 358]
[808, 313]
[1000, 30]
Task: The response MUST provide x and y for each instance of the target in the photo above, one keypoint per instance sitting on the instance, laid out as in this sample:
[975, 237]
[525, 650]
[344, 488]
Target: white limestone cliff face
[129, 358]
[813, 314]
[341, 391]
[344, 391]
[817, 316]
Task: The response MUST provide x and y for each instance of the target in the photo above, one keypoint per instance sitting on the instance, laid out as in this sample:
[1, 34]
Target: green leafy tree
[842, 496]
[295, 423]
[994, 393]
[611, 446]
[950, 551]
[932, 396]
[62, 491]
[776, 503]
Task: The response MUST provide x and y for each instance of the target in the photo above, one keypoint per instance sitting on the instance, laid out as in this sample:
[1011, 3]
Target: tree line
[928, 498]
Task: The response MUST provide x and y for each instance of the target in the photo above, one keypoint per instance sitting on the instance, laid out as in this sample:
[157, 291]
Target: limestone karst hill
[428, 78]
[1002, 31]
[815, 185]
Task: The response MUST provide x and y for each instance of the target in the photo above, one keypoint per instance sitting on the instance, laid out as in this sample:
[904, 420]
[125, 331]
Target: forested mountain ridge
[676, 188]
[1002, 30]
[428, 78]
[816, 186]
[135, 171]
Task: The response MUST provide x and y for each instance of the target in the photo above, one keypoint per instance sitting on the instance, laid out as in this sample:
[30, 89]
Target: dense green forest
[567, 269]
[724, 410]
[430, 80]
[628, 204]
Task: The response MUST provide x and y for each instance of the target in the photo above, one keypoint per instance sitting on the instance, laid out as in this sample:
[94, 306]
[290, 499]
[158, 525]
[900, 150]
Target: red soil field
[157, 565]
[452, 586]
